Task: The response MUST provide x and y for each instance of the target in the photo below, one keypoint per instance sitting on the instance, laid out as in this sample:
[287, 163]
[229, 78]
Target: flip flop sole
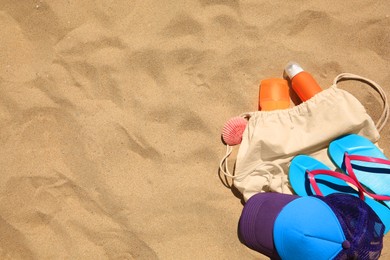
[374, 176]
[328, 184]
[301, 184]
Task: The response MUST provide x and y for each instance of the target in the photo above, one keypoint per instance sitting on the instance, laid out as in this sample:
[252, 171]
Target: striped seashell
[233, 129]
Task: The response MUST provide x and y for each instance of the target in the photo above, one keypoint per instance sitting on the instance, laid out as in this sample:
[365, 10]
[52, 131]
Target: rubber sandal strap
[368, 159]
[349, 170]
[311, 175]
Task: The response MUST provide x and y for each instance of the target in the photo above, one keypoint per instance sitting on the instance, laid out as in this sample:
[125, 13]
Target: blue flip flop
[303, 168]
[358, 156]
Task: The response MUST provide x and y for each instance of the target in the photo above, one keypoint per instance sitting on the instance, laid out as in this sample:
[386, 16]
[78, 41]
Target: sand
[111, 114]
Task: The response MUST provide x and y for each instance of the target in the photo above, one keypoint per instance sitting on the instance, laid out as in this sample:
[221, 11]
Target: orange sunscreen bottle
[273, 94]
[302, 82]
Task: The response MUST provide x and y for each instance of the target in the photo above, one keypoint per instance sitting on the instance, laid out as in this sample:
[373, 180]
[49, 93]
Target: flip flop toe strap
[350, 171]
[312, 174]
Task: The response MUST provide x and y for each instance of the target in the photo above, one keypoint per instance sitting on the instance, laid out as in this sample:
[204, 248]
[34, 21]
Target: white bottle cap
[292, 69]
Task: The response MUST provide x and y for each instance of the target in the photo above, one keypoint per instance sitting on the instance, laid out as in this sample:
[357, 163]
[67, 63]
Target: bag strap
[380, 124]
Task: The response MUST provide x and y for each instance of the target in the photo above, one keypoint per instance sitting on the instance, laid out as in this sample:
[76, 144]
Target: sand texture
[111, 115]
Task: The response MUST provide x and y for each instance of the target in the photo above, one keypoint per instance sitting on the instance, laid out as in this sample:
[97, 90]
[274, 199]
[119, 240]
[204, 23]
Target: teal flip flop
[309, 176]
[362, 160]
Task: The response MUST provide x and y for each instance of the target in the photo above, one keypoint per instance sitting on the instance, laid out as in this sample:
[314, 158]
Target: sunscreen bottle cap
[292, 69]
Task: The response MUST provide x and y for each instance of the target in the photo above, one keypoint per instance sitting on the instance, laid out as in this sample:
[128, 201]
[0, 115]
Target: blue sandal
[309, 177]
[362, 160]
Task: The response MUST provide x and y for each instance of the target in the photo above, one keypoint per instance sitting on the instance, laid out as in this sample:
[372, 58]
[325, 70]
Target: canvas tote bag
[272, 138]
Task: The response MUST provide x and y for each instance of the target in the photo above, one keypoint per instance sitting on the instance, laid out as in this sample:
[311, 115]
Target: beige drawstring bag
[272, 138]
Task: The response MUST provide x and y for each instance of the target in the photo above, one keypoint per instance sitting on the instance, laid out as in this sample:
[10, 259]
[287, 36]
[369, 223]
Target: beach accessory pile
[296, 151]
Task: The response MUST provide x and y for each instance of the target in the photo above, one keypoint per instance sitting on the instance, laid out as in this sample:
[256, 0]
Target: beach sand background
[111, 114]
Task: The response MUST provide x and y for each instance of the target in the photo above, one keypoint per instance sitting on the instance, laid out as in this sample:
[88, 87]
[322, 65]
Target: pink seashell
[233, 129]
